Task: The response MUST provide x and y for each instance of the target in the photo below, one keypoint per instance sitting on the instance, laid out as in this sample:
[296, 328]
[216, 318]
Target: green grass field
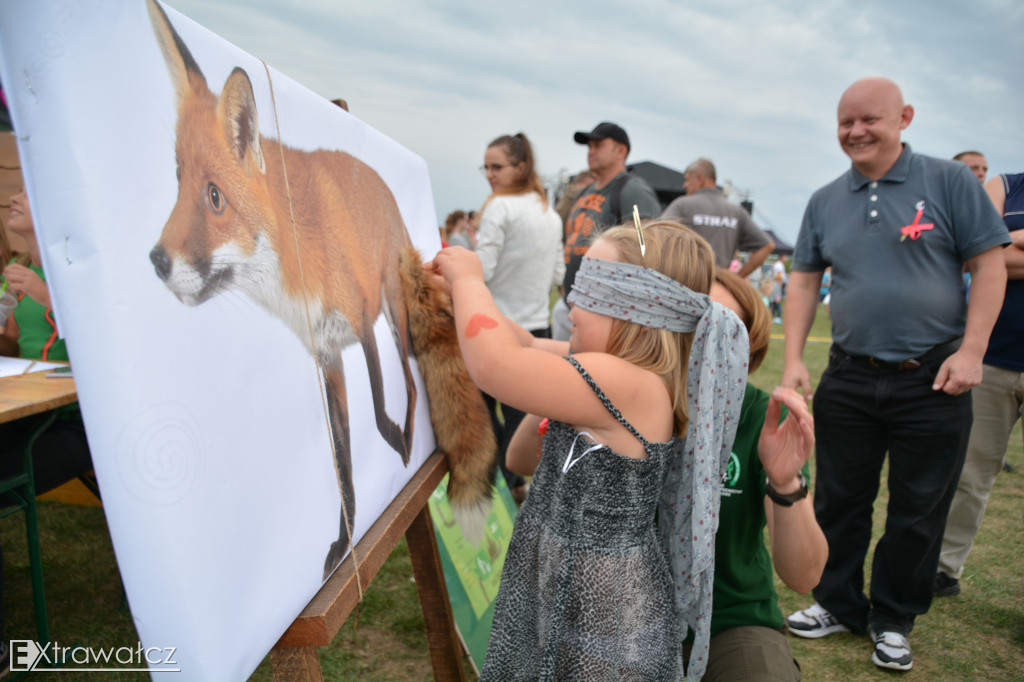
[978, 635]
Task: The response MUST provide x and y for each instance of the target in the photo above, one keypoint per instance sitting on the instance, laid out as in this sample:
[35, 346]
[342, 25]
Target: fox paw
[334, 557]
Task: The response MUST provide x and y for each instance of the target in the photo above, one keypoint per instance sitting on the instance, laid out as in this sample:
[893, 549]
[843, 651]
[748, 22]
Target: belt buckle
[875, 362]
[912, 363]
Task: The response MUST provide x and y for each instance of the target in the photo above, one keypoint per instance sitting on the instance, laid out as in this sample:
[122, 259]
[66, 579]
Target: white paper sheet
[207, 423]
[13, 366]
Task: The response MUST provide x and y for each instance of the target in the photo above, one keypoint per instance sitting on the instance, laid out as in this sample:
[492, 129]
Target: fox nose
[161, 261]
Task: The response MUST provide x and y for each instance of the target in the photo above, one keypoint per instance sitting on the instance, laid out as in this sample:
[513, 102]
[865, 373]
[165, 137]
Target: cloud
[752, 85]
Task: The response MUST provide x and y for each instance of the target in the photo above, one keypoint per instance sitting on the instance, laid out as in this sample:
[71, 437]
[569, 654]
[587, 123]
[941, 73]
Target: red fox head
[216, 234]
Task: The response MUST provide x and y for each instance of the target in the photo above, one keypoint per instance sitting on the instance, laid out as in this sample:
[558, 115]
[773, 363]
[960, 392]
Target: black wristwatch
[788, 499]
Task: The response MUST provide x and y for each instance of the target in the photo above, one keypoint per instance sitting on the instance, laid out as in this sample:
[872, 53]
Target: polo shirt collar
[898, 173]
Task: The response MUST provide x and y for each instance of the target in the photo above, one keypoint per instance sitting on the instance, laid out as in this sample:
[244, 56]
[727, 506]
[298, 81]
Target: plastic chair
[21, 489]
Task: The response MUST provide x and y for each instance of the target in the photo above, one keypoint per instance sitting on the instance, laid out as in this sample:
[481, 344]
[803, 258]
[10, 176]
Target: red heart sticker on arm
[477, 323]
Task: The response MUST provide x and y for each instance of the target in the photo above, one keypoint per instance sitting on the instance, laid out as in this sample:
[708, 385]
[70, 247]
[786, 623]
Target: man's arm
[801, 306]
[997, 193]
[1014, 253]
[1014, 256]
[756, 259]
[962, 369]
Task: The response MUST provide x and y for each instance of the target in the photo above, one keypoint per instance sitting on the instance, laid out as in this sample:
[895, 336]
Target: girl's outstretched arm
[533, 380]
[499, 354]
[525, 338]
[528, 340]
[524, 449]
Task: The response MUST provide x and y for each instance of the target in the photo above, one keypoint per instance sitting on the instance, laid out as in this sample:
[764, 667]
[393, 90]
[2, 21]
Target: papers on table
[12, 366]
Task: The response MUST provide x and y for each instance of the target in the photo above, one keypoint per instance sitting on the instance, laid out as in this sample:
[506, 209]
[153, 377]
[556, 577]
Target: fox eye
[217, 202]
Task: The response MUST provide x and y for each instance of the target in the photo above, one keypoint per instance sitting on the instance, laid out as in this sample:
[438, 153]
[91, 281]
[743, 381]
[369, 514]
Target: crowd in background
[896, 223]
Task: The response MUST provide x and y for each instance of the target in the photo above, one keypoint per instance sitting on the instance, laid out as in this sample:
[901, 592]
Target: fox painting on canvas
[315, 237]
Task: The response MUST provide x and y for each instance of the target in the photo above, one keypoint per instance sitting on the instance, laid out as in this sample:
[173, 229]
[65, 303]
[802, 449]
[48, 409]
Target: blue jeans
[860, 413]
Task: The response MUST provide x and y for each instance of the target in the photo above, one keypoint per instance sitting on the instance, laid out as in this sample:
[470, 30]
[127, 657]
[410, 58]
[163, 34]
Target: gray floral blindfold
[637, 294]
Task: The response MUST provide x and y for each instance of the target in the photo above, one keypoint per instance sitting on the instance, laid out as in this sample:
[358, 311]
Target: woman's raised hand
[785, 447]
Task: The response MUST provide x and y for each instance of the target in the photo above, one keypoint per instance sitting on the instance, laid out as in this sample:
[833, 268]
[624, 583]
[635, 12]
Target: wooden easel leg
[442, 639]
[296, 664]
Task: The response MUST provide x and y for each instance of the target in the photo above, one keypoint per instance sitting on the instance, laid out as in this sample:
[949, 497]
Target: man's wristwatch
[788, 499]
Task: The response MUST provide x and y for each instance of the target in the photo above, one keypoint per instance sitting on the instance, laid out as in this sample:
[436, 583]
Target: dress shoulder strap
[604, 399]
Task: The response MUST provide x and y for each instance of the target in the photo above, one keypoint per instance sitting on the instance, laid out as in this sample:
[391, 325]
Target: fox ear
[179, 60]
[238, 115]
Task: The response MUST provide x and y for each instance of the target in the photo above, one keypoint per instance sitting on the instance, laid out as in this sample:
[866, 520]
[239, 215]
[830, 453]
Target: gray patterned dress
[586, 593]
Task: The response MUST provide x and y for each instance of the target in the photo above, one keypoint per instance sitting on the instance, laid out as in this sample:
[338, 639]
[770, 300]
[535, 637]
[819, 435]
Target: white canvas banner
[194, 314]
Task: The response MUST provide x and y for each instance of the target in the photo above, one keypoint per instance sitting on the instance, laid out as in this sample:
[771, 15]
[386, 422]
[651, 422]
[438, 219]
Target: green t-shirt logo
[732, 471]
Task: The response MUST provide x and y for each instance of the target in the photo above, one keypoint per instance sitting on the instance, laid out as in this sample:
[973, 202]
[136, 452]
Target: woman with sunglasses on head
[520, 249]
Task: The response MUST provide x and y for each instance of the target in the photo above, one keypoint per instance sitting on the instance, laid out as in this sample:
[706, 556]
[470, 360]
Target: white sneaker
[892, 650]
[814, 622]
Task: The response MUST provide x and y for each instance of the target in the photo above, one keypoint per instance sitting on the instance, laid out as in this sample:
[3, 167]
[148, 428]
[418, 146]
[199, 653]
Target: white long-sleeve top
[520, 247]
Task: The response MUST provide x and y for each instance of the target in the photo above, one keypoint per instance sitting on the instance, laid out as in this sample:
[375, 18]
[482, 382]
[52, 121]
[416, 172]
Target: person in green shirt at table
[61, 452]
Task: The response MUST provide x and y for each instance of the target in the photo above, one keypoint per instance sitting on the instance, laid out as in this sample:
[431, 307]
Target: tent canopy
[666, 182]
[781, 247]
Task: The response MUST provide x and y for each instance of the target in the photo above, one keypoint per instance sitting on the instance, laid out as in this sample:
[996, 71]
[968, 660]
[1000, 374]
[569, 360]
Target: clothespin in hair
[639, 230]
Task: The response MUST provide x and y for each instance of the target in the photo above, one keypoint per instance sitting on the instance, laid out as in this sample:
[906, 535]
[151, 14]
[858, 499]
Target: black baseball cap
[602, 131]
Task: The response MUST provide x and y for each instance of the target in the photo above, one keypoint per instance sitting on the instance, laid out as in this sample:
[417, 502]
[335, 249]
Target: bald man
[897, 229]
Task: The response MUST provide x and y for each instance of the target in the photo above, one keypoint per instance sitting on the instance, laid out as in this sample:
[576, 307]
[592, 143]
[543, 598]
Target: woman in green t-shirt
[748, 639]
[61, 452]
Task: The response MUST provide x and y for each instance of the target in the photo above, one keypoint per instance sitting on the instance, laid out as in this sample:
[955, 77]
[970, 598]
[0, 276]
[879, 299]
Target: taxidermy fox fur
[318, 247]
[461, 420]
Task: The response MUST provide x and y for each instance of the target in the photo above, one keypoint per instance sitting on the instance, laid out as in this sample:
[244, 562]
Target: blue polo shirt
[897, 248]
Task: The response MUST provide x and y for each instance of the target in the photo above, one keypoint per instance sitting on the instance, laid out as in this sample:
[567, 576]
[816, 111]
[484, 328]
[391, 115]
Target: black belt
[941, 351]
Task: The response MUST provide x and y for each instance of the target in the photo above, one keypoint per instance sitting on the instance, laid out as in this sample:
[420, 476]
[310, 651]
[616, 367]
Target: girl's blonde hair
[681, 254]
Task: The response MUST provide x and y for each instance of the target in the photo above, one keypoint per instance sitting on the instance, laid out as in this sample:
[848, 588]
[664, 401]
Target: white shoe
[814, 622]
[892, 650]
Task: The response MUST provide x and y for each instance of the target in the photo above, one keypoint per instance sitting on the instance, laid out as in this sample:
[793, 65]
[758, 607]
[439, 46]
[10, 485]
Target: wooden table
[26, 394]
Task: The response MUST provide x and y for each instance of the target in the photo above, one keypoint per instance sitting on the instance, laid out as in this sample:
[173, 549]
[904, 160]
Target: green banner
[472, 572]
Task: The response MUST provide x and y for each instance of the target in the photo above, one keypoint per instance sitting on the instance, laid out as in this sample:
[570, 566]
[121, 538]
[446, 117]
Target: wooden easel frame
[295, 656]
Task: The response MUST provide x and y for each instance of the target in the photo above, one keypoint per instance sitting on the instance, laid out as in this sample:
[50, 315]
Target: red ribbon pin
[914, 229]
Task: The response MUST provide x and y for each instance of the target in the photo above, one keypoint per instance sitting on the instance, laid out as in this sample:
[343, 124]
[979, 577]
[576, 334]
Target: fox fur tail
[461, 420]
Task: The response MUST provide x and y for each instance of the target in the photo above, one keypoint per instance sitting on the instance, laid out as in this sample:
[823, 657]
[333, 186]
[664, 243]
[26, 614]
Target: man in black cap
[605, 202]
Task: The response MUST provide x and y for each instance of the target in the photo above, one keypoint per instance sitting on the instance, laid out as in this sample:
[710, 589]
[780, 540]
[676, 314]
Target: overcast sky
[751, 85]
